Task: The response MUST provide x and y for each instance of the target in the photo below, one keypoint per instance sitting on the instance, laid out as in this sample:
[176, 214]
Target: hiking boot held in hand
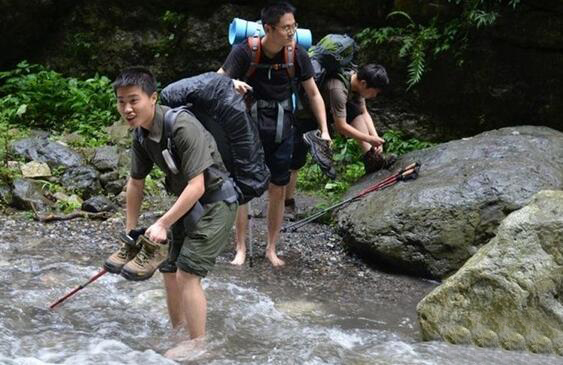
[374, 161]
[119, 258]
[145, 263]
[321, 152]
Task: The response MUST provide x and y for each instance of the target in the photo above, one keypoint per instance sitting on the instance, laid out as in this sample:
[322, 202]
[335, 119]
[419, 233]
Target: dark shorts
[277, 155]
[300, 148]
[195, 251]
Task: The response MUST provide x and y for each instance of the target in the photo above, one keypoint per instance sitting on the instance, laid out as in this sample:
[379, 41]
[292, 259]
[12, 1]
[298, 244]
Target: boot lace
[145, 255]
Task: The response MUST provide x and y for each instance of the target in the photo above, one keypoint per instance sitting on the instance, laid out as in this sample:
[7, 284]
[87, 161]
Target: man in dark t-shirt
[271, 87]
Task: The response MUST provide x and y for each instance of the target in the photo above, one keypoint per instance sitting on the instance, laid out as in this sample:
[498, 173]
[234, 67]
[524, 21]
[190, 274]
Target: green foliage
[396, 143]
[67, 206]
[34, 97]
[8, 174]
[421, 43]
[153, 182]
[348, 163]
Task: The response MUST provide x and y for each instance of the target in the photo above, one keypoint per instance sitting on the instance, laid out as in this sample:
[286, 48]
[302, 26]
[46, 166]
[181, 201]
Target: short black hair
[272, 13]
[374, 75]
[136, 76]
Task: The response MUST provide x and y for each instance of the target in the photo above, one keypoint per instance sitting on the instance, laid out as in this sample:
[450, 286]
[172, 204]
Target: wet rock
[115, 187]
[509, 293]
[106, 158]
[432, 225]
[98, 204]
[44, 150]
[109, 176]
[27, 193]
[83, 179]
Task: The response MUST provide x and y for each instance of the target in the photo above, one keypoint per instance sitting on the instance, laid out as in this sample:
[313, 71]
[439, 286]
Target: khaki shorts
[195, 251]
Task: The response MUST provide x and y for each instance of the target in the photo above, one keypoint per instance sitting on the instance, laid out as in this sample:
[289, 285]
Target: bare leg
[290, 188]
[276, 197]
[360, 124]
[173, 300]
[194, 303]
[194, 306]
[241, 227]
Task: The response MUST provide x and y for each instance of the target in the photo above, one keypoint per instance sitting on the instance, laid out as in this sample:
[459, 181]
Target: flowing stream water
[255, 315]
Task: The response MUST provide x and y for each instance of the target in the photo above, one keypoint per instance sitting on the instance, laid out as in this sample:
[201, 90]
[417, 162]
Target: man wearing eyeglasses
[271, 84]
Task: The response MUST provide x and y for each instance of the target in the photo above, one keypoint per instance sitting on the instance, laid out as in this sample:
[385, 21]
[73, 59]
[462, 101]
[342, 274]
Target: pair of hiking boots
[138, 257]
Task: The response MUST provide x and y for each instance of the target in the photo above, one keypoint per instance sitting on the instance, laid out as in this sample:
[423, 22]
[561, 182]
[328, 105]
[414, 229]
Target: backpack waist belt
[227, 193]
[281, 106]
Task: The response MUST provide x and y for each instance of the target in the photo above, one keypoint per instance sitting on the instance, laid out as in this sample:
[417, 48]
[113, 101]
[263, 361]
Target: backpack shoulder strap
[289, 59]
[168, 127]
[255, 44]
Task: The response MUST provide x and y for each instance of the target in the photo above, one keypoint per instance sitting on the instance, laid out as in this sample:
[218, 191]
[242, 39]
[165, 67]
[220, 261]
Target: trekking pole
[80, 287]
[409, 172]
[250, 224]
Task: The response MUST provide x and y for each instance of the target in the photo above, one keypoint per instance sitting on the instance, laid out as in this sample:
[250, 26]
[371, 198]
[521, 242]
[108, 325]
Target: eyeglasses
[288, 28]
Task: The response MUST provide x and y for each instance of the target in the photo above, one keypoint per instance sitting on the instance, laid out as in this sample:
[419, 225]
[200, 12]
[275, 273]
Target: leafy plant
[34, 97]
[396, 143]
[420, 43]
[347, 157]
[68, 206]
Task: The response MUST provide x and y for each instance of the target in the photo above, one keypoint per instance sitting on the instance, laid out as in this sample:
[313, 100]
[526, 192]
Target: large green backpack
[332, 57]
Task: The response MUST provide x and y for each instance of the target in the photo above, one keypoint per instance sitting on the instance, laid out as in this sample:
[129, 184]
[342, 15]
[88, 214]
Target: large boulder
[510, 293]
[432, 225]
[43, 150]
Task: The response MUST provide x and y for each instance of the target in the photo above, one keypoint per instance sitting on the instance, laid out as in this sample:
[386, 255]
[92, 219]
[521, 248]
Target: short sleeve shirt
[268, 84]
[336, 95]
[195, 148]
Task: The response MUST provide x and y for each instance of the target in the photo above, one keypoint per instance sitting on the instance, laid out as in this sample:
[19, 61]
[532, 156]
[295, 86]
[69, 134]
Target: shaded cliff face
[175, 38]
[510, 76]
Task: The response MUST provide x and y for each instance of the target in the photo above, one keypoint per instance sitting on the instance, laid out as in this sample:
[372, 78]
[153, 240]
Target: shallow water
[256, 315]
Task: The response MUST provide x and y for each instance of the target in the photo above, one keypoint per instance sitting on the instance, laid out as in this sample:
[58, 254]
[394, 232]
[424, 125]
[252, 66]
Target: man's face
[135, 106]
[284, 32]
[368, 92]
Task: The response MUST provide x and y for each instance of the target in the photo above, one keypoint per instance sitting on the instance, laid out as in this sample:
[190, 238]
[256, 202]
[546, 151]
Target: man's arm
[240, 86]
[370, 126]
[317, 106]
[347, 130]
[134, 198]
[190, 195]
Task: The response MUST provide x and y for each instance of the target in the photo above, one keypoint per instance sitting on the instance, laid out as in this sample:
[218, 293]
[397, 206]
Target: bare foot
[187, 350]
[239, 259]
[274, 259]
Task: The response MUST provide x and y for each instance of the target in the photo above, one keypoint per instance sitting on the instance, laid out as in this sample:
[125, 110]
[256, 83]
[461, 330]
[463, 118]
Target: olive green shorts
[195, 251]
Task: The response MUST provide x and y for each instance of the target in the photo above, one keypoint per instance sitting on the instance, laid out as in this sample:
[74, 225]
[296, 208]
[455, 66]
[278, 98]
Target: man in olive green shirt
[345, 98]
[196, 178]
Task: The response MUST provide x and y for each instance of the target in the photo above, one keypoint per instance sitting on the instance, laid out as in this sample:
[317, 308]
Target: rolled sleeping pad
[240, 29]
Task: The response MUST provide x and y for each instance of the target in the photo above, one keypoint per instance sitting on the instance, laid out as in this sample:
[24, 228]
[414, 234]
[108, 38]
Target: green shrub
[34, 97]
[348, 164]
[421, 43]
[396, 143]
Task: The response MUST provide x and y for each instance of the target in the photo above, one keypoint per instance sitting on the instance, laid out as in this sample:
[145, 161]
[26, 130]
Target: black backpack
[222, 111]
[331, 57]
